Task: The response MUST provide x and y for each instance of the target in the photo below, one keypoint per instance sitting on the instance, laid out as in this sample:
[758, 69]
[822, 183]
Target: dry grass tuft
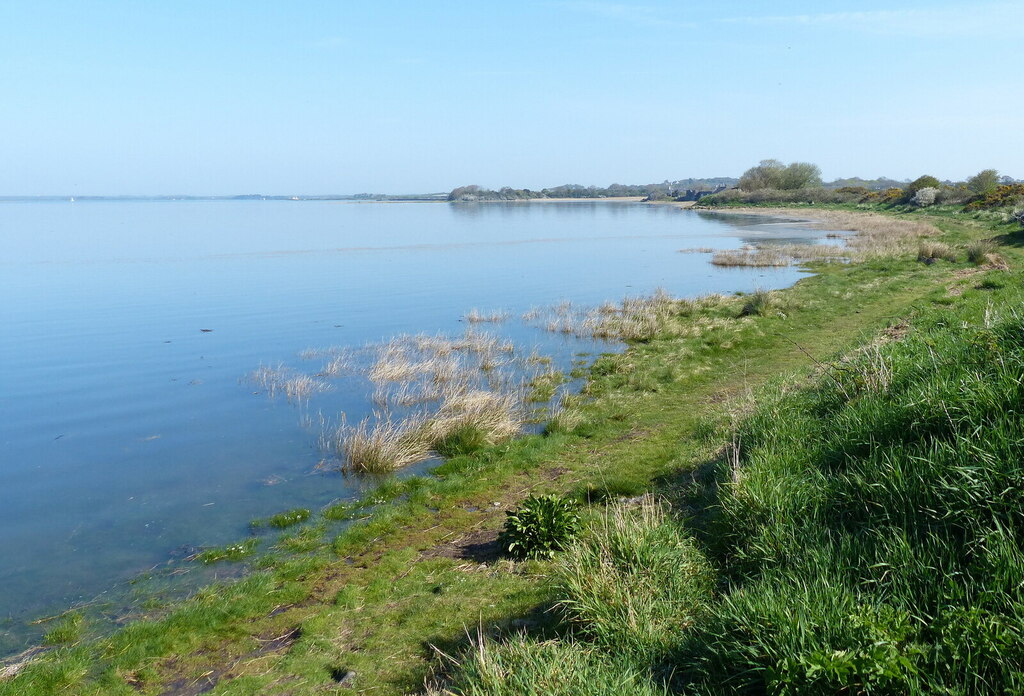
[475, 316]
[497, 414]
[980, 251]
[436, 394]
[296, 387]
[381, 445]
[930, 252]
[634, 319]
[874, 236]
[763, 257]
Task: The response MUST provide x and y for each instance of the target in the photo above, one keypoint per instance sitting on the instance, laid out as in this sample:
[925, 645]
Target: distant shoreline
[608, 199]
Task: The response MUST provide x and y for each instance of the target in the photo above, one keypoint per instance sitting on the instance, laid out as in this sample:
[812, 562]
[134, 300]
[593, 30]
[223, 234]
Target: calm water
[127, 430]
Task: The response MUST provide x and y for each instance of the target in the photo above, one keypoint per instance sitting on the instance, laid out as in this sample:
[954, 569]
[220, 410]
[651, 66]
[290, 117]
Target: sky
[301, 97]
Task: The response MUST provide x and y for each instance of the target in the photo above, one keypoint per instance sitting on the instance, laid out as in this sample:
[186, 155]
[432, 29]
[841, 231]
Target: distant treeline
[666, 189]
[772, 182]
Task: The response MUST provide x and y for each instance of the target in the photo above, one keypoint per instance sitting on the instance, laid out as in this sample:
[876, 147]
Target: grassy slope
[375, 598]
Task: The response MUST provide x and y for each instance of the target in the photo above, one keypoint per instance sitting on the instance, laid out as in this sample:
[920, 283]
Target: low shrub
[539, 528]
[1003, 196]
[892, 195]
[925, 197]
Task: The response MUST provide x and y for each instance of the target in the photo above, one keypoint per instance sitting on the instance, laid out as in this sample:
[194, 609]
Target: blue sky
[345, 97]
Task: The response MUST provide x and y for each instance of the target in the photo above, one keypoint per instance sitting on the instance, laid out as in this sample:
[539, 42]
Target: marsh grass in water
[283, 520]
[231, 552]
[381, 444]
[296, 387]
[873, 236]
[476, 316]
[66, 629]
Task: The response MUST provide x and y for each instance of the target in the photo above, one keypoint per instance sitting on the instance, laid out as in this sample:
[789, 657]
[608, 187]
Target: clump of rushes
[979, 252]
[68, 629]
[473, 419]
[232, 552]
[758, 303]
[930, 252]
[635, 580]
[564, 421]
[542, 387]
[539, 528]
[756, 258]
[384, 446]
[521, 666]
[464, 439]
[475, 316]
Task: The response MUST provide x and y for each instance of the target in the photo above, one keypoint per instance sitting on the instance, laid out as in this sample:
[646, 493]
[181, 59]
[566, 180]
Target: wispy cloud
[643, 16]
[962, 19]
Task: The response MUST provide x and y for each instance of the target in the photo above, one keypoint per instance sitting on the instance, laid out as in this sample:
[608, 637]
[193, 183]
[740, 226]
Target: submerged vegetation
[808, 491]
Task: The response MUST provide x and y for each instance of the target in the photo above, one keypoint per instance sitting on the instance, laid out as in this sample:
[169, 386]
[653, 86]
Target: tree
[925, 181]
[773, 174]
[765, 175]
[984, 182]
[800, 175]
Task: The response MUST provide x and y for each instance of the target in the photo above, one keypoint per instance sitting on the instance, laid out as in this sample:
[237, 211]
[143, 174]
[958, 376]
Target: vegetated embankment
[758, 517]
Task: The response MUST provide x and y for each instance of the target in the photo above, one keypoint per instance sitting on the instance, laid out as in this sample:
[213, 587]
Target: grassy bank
[732, 412]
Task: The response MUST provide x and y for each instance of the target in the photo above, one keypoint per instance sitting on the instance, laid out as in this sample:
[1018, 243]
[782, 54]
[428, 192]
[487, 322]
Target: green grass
[523, 667]
[231, 552]
[634, 581]
[393, 589]
[282, 520]
[67, 629]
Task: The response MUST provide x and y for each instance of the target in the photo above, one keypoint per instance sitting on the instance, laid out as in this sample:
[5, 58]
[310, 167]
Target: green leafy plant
[543, 525]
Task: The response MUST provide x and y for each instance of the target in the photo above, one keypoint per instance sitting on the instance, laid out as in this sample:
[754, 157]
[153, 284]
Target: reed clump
[983, 253]
[380, 444]
[874, 236]
[635, 580]
[476, 316]
[436, 395]
[474, 419]
[759, 303]
[760, 257]
[930, 252]
[296, 387]
[634, 319]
